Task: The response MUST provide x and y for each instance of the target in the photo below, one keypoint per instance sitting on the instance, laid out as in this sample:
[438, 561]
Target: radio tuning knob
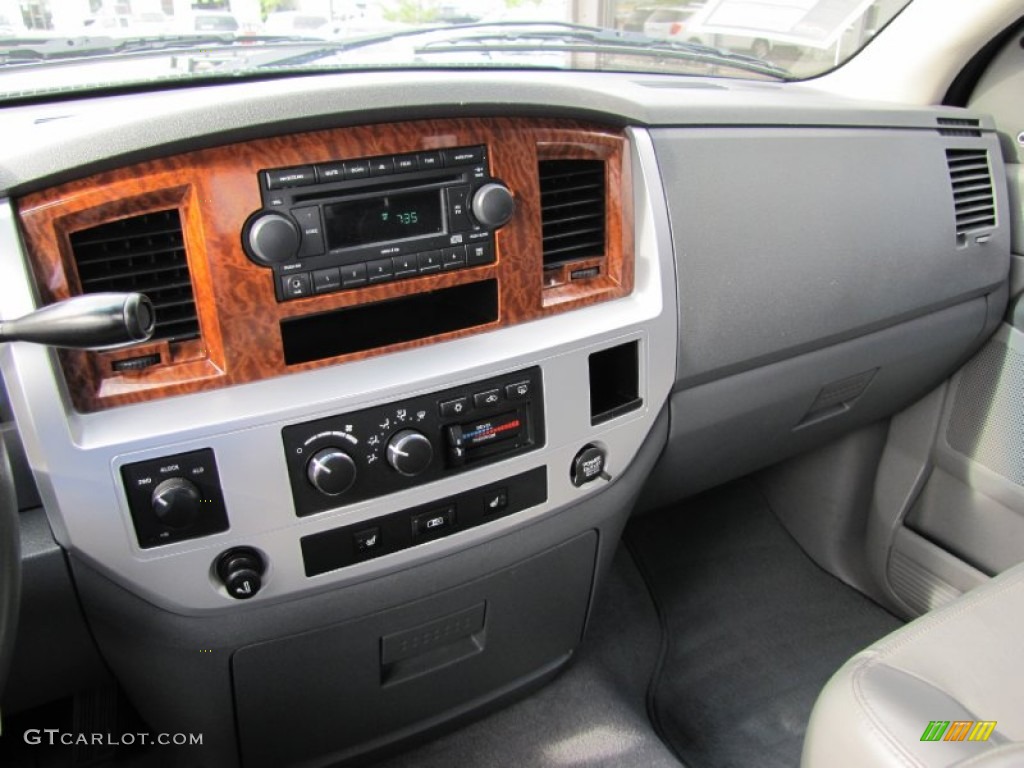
[493, 205]
[272, 238]
[331, 471]
[409, 452]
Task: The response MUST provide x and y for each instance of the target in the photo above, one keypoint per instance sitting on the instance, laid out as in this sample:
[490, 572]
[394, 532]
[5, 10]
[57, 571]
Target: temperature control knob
[493, 205]
[409, 452]
[272, 238]
[176, 502]
[331, 471]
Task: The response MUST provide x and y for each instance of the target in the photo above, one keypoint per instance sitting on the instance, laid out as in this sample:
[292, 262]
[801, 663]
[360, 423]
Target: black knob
[493, 205]
[241, 570]
[272, 238]
[409, 452]
[176, 502]
[331, 471]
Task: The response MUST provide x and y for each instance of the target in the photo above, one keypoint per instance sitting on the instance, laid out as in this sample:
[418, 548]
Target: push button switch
[437, 522]
[367, 541]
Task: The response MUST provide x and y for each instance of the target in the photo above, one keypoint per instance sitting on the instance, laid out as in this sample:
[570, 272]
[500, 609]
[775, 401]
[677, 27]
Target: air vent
[960, 126]
[572, 209]
[973, 198]
[145, 254]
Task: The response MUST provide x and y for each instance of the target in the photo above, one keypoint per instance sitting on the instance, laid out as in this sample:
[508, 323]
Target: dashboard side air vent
[966, 127]
[146, 254]
[973, 197]
[572, 205]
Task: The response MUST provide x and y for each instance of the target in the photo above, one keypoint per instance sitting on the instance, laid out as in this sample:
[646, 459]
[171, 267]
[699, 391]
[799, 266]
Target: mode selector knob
[176, 502]
[493, 205]
[409, 452]
[331, 471]
[272, 238]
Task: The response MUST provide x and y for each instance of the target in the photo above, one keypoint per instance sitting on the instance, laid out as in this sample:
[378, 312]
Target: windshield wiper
[578, 38]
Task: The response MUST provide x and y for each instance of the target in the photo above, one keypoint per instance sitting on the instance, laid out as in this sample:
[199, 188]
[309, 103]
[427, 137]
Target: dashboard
[380, 455]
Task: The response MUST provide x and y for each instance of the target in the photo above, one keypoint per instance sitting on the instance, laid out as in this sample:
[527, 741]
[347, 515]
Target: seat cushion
[960, 664]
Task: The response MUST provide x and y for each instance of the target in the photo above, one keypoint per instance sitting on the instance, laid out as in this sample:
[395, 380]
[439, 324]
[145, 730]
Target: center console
[367, 475]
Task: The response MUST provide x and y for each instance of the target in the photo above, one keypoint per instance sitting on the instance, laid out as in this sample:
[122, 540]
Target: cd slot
[374, 186]
[370, 326]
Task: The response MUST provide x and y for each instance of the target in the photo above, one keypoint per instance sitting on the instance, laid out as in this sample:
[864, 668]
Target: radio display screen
[379, 219]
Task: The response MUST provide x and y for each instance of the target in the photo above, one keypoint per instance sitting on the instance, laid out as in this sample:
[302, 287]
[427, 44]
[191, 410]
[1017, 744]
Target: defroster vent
[145, 254]
[572, 209]
[973, 197]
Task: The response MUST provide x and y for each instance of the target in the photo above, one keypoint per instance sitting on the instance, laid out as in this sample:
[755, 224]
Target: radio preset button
[326, 280]
[430, 160]
[291, 177]
[381, 166]
[296, 285]
[405, 266]
[430, 261]
[379, 270]
[357, 169]
[328, 172]
[451, 258]
[353, 275]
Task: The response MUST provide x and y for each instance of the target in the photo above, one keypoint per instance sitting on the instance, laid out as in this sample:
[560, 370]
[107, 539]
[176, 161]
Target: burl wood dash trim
[215, 190]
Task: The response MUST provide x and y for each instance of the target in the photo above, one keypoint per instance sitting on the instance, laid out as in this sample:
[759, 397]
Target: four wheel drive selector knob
[176, 502]
[331, 471]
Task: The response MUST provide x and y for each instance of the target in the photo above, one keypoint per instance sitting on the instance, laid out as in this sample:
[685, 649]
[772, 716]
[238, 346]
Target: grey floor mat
[592, 715]
[753, 630]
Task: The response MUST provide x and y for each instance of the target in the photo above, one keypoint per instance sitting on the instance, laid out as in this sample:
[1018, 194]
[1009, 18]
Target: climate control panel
[355, 456]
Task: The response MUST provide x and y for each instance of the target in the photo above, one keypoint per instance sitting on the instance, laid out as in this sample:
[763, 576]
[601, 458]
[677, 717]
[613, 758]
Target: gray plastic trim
[76, 457]
[793, 240]
[70, 138]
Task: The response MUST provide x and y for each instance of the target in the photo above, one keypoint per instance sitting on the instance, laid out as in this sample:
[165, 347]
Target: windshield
[56, 46]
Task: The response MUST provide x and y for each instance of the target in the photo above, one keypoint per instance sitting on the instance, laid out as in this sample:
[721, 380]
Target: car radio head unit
[344, 224]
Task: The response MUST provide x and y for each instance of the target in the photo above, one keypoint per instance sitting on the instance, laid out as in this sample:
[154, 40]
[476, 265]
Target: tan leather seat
[962, 663]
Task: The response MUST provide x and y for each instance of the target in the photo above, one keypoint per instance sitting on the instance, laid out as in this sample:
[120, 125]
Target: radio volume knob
[273, 238]
[331, 471]
[493, 205]
[409, 452]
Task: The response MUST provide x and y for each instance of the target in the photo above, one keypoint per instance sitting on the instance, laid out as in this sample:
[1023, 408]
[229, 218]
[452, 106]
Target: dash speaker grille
[987, 420]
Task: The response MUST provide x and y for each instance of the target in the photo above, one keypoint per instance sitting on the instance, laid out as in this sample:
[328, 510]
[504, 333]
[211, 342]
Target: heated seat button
[367, 540]
[495, 501]
[437, 522]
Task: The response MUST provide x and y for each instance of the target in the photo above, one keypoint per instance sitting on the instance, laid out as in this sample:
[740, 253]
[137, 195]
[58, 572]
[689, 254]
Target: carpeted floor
[752, 628]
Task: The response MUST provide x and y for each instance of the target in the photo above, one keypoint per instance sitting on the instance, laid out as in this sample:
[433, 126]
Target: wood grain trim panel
[215, 190]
